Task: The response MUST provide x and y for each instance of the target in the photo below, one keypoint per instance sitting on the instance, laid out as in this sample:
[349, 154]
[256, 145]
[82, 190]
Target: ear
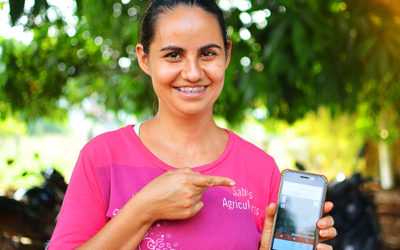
[228, 53]
[143, 58]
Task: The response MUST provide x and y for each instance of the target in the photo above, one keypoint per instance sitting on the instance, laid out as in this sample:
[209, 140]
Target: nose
[192, 70]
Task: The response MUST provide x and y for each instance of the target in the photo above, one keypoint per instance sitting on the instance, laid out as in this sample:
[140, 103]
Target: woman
[176, 181]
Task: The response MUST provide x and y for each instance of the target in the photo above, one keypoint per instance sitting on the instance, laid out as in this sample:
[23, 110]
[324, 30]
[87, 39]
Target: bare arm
[173, 195]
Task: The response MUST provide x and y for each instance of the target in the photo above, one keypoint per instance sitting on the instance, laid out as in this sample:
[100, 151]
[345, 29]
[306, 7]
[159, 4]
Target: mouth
[190, 90]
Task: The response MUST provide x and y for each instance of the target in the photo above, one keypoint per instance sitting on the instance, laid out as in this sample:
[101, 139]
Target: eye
[172, 55]
[207, 53]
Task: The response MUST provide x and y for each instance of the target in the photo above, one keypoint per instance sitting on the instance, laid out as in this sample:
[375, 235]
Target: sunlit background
[323, 137]
[313, 83]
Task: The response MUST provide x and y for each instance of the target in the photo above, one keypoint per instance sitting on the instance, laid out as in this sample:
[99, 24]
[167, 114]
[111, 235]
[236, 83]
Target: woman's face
[186, 61]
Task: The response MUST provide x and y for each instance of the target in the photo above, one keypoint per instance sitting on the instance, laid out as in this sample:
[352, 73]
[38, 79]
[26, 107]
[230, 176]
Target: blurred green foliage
[301, 54]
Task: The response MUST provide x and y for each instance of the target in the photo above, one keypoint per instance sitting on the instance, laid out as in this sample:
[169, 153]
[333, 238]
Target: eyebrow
[212, 45]
[172, 48]
[209, 46]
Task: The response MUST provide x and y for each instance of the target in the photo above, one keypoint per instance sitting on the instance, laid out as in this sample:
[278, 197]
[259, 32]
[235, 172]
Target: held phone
[300, 205]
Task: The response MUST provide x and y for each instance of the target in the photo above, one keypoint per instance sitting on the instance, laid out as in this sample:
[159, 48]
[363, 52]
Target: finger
[211, 181]
[268, 226]
[190, 211]
[196, 208]
[328, 207]
[328, 233]
[325, 222]
[270, 213]
[198, 195]
[322, 246]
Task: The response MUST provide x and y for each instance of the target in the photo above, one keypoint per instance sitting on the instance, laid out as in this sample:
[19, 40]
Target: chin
[195, 111]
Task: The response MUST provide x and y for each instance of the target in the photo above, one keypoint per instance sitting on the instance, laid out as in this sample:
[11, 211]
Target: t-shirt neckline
[162, 165]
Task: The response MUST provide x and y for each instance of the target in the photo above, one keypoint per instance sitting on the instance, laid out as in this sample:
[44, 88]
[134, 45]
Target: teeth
[191, 90]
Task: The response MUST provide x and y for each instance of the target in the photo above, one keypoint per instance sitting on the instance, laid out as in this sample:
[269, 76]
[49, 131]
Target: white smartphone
[300, 205]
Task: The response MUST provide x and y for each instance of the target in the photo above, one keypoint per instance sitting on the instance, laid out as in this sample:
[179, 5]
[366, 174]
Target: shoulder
[253, 159]
[112, 144]
[247, 148]
[111, 135]
[256, 168]
[108, 139]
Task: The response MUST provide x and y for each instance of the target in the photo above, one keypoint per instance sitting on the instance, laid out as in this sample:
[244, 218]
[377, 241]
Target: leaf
[300, 43]
[277, 35]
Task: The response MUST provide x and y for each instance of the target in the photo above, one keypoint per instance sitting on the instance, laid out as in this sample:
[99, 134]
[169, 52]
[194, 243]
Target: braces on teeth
[191, 90]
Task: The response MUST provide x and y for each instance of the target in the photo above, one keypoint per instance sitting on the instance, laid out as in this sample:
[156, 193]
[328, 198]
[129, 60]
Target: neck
[184, 141]
[185, 129]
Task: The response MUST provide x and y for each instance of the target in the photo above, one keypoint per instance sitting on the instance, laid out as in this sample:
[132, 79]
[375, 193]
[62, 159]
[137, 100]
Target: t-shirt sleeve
[273, 190]
[274, 187]
[83, 211]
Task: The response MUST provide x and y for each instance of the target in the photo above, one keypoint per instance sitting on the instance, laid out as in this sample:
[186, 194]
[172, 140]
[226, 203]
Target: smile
[191, 90]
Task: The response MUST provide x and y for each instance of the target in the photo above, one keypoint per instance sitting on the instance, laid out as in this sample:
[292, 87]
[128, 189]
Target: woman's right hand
[173, 195]
[176, 194]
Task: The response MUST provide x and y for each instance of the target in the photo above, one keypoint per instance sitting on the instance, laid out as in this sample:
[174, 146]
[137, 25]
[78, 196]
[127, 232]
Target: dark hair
[157, 7]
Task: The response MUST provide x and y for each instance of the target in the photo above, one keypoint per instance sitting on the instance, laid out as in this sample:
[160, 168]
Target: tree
[289, 57]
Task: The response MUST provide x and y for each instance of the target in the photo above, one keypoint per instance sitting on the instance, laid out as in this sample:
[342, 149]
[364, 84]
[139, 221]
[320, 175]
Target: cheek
[164, 74]
[217, 73]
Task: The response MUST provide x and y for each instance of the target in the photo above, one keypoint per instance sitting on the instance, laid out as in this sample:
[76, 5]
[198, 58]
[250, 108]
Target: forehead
[184, 24]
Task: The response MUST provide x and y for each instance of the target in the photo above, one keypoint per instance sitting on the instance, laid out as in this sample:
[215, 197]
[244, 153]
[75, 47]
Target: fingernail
[323, 233]
[232, 183]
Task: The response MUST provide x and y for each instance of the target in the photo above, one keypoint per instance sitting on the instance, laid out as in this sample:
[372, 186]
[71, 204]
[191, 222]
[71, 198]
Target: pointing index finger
[211, 181]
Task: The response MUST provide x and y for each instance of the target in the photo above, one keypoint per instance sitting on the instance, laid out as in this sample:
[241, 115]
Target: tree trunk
[386, 175]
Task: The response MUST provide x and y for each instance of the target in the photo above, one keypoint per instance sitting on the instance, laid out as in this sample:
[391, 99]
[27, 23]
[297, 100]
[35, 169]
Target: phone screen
[299, 208]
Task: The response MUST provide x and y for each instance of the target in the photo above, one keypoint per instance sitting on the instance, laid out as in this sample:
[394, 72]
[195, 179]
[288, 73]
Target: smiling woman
[171, 181]
[186, 61]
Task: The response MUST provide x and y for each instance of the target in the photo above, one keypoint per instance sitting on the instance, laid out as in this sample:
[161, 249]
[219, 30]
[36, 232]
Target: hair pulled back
[156, 7]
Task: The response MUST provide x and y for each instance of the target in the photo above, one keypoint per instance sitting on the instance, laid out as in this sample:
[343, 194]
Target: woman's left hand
[325, 226]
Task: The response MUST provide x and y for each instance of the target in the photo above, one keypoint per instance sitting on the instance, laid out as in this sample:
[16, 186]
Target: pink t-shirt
[114, 166]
